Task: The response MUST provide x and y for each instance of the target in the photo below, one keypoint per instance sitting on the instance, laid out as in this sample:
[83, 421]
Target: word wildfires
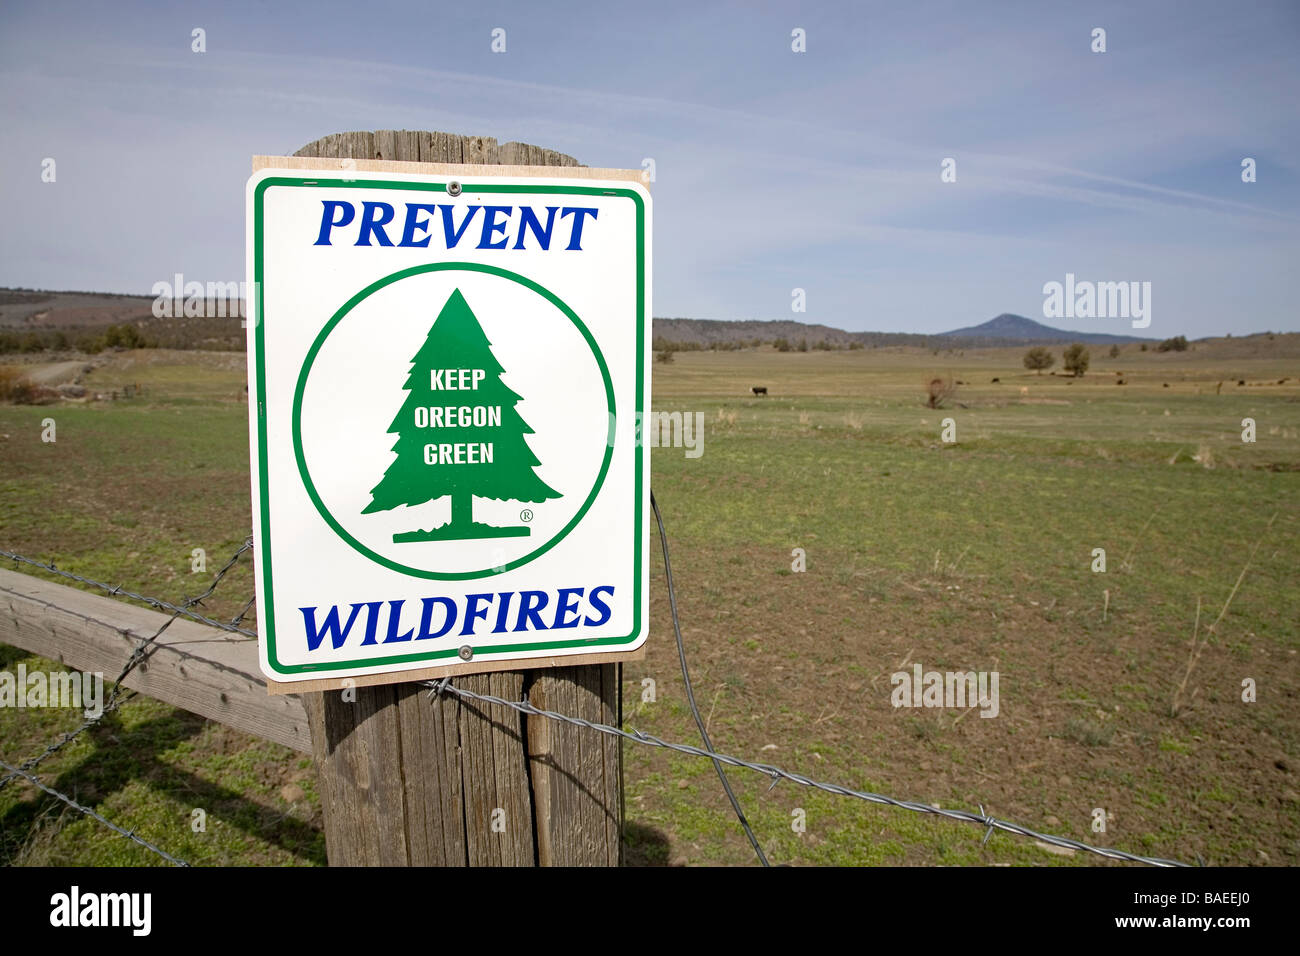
[956, 689]
[562, 609]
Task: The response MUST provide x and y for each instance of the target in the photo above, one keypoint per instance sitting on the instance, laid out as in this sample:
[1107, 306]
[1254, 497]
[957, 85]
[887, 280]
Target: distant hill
[41, 315]
[1008, 329]
[1005, 330]
[36, 309]
[714, 333]
[77, 319]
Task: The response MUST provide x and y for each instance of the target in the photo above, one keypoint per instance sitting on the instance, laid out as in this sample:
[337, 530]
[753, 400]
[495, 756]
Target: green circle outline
[320, 341]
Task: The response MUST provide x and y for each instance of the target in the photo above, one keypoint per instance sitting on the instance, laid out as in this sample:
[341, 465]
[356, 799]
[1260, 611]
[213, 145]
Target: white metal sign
[446, 378]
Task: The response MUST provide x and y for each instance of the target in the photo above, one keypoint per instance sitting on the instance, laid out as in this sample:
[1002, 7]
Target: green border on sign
[268, 634]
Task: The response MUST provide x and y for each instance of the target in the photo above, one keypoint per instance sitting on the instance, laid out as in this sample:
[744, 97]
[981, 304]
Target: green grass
[973, 555]
[968, 554]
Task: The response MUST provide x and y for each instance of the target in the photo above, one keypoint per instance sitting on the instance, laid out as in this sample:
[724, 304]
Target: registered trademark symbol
[526, 515]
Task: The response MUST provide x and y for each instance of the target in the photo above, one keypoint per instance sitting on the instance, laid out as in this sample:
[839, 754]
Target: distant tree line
[663, 344]
[209, 334]
[1074, 359]
[60, 340]
[22, 297]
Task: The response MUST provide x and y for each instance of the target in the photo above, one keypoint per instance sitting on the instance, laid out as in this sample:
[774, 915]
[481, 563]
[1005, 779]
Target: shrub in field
[8, 376]
[90, 344]
[660, 343]
[1075, 359]
[1177, 344]
[782, 345]
[1114, 351]
[120, 336]
[1039, 358]
[14, 388]
[664, 357]
[125, 337]
[1088, 733]
[938, 390]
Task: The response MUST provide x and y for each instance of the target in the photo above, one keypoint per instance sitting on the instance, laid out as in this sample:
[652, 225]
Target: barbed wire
[116, 697]
[690, 691]
[129, 834]
[62, 741]
[444, 685]
[142, 648]
[238, 618]
[156, 603]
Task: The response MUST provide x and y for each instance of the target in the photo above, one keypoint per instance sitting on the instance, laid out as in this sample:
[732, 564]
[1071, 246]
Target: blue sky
[775, 169]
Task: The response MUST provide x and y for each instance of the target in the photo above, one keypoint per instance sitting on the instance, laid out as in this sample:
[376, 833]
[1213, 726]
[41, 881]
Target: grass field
[968, 555]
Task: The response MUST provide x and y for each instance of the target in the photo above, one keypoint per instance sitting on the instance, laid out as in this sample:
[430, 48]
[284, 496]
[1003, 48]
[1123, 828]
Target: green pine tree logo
[458, 433]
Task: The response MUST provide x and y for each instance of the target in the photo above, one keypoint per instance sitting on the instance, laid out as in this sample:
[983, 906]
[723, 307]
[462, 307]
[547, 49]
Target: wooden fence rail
[523, 792]
[193, 666]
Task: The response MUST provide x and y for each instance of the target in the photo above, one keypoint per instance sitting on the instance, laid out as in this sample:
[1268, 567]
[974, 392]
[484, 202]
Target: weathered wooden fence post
[405, 780]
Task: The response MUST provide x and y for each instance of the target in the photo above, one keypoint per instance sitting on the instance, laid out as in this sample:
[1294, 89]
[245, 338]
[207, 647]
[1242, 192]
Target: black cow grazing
[1119, 381]
[997, 380]
[1241, 381]
[1166, 385]
[759, 389]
